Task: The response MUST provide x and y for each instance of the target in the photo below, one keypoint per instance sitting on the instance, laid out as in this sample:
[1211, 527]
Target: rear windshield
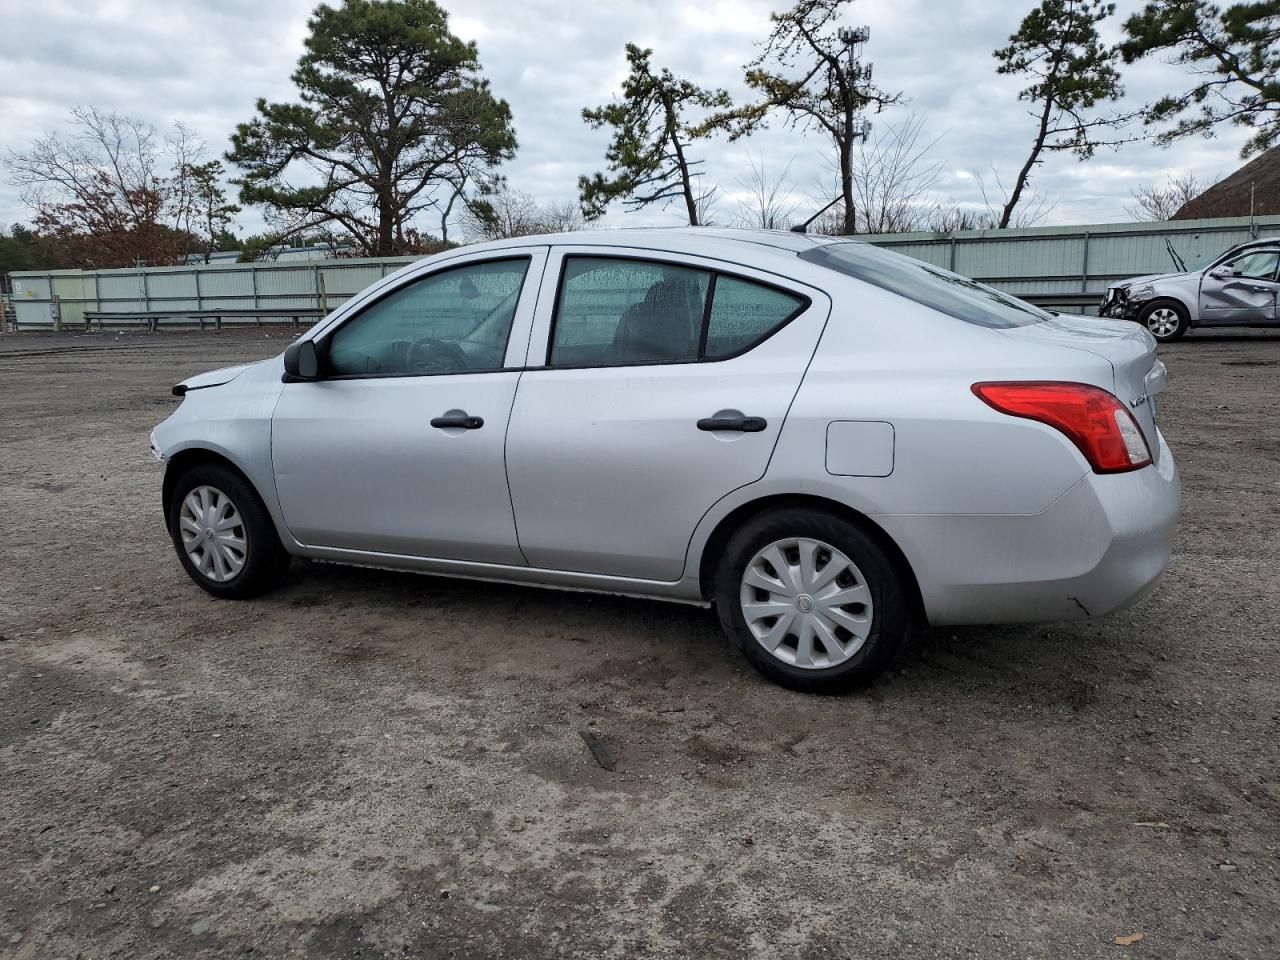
[924, 283]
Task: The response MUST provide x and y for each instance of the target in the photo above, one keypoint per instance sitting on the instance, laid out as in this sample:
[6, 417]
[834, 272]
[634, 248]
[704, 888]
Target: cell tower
[854, 39]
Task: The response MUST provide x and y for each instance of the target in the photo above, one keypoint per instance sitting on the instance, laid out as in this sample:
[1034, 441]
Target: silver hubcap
[213, 533]
[1162, 322]
[806, 603]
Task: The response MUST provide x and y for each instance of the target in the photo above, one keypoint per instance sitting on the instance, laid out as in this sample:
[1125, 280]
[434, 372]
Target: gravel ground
[368, 764]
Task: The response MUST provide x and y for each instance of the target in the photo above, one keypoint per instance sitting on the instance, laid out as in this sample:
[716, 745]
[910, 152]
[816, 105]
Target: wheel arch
[715, 544]
[1169, 299]
[182, 461]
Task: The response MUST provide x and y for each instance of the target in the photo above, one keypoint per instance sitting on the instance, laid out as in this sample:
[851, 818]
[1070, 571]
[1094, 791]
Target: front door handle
[731, 420]
[457, 419]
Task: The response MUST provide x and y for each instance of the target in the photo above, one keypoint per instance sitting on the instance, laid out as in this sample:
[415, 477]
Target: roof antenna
[804, 227]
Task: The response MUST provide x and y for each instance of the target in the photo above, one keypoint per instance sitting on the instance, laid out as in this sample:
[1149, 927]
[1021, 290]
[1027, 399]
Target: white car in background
[1238, 289]
[828, 441]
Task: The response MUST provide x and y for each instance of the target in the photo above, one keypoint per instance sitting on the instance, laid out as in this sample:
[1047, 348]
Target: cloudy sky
[204, 62]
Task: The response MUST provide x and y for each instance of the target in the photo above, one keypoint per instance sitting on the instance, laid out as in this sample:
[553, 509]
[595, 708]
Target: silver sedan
[830, 443]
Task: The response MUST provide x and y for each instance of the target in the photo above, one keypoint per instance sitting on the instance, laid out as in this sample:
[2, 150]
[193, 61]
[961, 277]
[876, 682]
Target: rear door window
[616, 311]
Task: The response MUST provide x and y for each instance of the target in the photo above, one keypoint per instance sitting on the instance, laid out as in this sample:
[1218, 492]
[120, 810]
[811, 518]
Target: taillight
[1093, 419]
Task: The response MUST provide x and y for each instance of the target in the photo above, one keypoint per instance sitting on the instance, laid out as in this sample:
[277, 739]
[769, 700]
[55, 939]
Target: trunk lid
[1127, 346]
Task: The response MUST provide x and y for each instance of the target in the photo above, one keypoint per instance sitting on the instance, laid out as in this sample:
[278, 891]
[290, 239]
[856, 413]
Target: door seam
[511, 411]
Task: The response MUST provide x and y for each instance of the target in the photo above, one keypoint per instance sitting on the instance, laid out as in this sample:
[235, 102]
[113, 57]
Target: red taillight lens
[1093, 419]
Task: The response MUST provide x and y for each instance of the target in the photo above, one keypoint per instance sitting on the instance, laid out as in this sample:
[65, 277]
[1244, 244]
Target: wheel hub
[1162, 322]
[806, 603]
[213, 533]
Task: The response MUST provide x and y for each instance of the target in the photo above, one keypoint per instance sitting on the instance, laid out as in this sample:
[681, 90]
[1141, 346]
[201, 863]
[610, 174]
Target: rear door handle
[457, 419]
[725, 421]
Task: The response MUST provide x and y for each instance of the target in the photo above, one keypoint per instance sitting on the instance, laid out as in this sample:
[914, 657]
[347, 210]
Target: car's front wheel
[1165, 320]
[223, 534]
[814, 602]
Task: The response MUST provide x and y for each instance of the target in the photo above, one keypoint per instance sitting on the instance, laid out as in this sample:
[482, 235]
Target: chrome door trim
[538, 254]
[544, 310]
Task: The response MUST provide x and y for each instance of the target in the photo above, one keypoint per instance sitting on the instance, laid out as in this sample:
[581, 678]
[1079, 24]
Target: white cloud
[206, 64]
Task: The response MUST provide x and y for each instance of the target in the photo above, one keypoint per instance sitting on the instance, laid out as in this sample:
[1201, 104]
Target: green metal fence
[1067, 268]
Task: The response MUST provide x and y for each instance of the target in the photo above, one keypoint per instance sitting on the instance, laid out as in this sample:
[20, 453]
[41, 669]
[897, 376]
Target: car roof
[729, 244]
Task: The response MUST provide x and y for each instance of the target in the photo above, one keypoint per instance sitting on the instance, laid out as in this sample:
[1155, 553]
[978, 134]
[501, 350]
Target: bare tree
[768, 204]
[563, 216]
[893, 172]
[502, 213]
[705, 205]
[1157, 203]
[1035, 207]
[112, 189]
[951, 217]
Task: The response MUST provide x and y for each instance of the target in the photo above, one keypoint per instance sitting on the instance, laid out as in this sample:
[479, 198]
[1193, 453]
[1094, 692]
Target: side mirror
[1222, 273]
[300, 362]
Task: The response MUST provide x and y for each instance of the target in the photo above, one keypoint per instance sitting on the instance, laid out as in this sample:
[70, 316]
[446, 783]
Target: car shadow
[1032, 666]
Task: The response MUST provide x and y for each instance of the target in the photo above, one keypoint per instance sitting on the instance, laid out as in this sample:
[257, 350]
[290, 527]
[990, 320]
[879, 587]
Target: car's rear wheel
[1165, 320]
[814, 602]
[223, 534]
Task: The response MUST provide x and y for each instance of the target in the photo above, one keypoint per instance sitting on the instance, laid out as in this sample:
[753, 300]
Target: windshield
[924, 283]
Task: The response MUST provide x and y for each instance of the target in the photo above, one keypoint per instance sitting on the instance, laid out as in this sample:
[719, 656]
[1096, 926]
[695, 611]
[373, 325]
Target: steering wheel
[430, 354]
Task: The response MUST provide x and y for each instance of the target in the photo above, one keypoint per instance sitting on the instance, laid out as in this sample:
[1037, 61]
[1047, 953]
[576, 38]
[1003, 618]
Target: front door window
[454, 321]
[1260, 265]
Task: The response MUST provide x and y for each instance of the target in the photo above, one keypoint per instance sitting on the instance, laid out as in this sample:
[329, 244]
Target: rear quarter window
[744, 313]
[931, 286]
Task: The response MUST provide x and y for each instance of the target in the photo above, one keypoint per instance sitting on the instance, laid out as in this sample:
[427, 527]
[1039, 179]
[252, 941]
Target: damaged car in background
[1238, 289]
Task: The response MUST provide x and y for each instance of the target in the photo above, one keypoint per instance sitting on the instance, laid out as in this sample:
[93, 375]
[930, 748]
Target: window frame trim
[322, 341]
[715, 272]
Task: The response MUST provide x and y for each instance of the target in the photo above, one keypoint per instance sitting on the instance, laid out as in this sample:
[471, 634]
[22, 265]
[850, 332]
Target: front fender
[231, 421]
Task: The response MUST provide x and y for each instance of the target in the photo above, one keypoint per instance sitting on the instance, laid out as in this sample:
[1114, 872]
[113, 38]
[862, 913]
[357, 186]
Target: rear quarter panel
[887, 360]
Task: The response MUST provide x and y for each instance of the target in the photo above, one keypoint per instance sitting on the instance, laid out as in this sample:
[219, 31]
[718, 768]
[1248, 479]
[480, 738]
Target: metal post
[55, 307]
[322, 295]
[1084, 266]
[253, 278]
[199, 299]
[952, 268]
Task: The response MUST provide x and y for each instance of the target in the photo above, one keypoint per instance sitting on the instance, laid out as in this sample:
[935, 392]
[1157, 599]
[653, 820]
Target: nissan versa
[827, 441]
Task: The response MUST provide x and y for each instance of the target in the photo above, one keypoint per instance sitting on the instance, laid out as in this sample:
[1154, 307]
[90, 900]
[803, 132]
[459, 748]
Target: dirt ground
[376, 765]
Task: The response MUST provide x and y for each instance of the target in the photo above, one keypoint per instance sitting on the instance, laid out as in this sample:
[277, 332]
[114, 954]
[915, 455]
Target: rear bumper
[1100, 547]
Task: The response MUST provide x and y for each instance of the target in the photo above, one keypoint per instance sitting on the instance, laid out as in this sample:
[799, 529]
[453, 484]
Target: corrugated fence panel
[121, 292]
[230, 289]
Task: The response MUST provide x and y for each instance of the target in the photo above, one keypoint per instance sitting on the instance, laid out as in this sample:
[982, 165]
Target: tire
[867, 574]
[211, 560]
[1165, 328]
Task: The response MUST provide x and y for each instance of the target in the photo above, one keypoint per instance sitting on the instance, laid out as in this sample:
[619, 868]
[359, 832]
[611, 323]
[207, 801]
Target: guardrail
[152, 318]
